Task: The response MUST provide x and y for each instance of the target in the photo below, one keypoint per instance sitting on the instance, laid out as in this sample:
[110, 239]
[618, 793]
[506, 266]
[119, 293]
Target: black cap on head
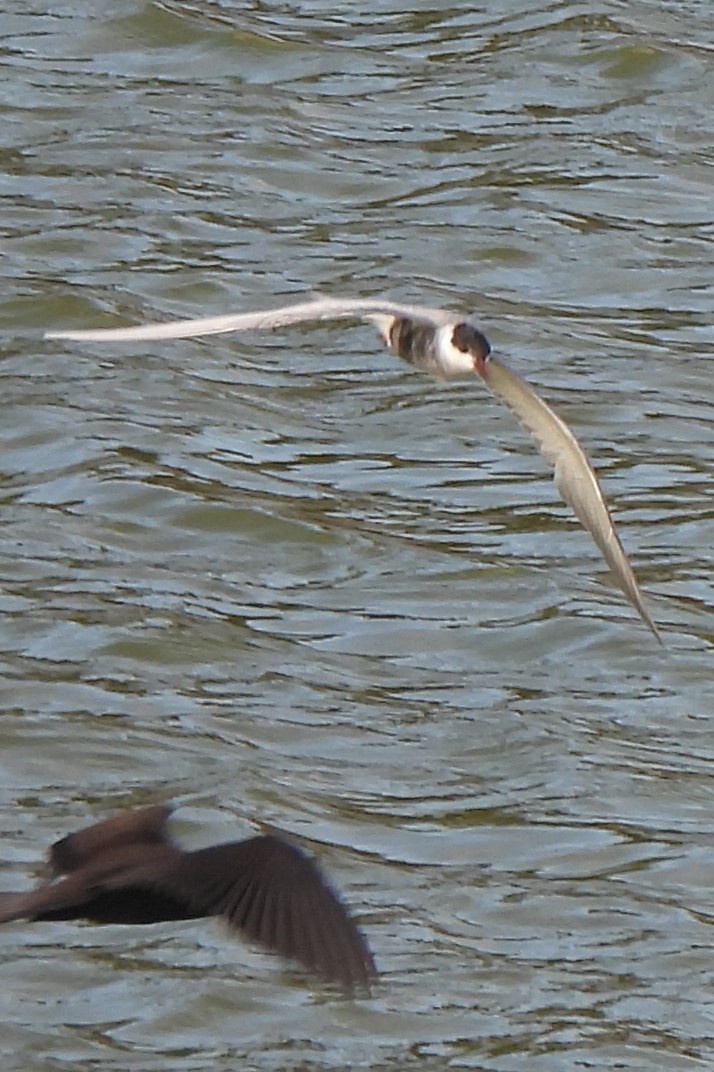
[469, 340]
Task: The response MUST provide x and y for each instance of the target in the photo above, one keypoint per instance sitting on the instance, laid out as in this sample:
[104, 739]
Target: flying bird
[447, 346]
[127, 869]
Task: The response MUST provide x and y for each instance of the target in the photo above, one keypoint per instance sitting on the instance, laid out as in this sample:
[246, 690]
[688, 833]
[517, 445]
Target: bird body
[447, 346]
[127, 869]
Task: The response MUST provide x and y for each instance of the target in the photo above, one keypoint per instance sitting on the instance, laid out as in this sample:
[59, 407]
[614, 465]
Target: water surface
[284, 580]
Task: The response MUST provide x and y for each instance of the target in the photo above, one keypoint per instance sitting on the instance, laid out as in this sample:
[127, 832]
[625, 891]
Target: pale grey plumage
[448, 355]
[575, 478]
[319, 309]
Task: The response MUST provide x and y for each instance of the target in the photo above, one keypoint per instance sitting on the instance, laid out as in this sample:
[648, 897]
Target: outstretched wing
[118, 885]
[318, 309]
[31, 904]
[275, 895]
[574, 476]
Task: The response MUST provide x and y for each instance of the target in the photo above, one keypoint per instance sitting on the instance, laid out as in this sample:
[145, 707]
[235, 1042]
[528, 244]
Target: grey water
[283, 580]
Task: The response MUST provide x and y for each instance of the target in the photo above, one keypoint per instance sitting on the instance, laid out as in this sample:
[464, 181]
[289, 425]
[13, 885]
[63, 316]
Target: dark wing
[140, 826]
[265, 887]
[121, 885]
[276, 896]
[574, 476]
[319, 309]
[32, 903]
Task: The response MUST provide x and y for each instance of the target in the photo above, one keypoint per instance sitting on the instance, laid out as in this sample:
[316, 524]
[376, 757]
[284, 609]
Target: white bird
[447, 346]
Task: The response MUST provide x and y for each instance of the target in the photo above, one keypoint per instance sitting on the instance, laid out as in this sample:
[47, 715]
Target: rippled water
[283, 579]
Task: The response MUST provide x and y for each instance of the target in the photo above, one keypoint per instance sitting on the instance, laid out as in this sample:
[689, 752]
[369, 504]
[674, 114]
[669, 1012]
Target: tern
[127, 869]
[447, 346]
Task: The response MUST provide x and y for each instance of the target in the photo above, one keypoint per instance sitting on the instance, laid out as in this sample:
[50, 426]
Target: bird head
[469, 340]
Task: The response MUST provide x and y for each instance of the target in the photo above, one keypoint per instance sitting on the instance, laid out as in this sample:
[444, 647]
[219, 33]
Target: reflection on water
[285, 580]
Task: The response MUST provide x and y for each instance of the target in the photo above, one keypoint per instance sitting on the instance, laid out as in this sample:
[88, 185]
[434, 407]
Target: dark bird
[127, 869]
[447, 346]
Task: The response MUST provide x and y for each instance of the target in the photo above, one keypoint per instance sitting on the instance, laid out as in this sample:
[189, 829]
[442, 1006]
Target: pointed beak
[480, 364]
[481, 357]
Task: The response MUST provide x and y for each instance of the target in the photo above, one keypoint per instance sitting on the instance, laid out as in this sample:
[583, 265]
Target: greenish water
[283, 579]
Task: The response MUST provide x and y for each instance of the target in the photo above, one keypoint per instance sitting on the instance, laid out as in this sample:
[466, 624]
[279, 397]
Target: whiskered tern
[447, 346]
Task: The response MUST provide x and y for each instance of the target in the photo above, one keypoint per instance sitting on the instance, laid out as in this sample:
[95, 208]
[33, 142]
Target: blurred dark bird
[447, 346]
[127, 869]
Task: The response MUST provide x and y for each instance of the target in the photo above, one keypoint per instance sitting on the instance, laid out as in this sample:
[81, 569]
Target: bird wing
[322, 308]
[574, 476]
[32, 903]
[113, 886]
[277, 896]
[138, 826]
